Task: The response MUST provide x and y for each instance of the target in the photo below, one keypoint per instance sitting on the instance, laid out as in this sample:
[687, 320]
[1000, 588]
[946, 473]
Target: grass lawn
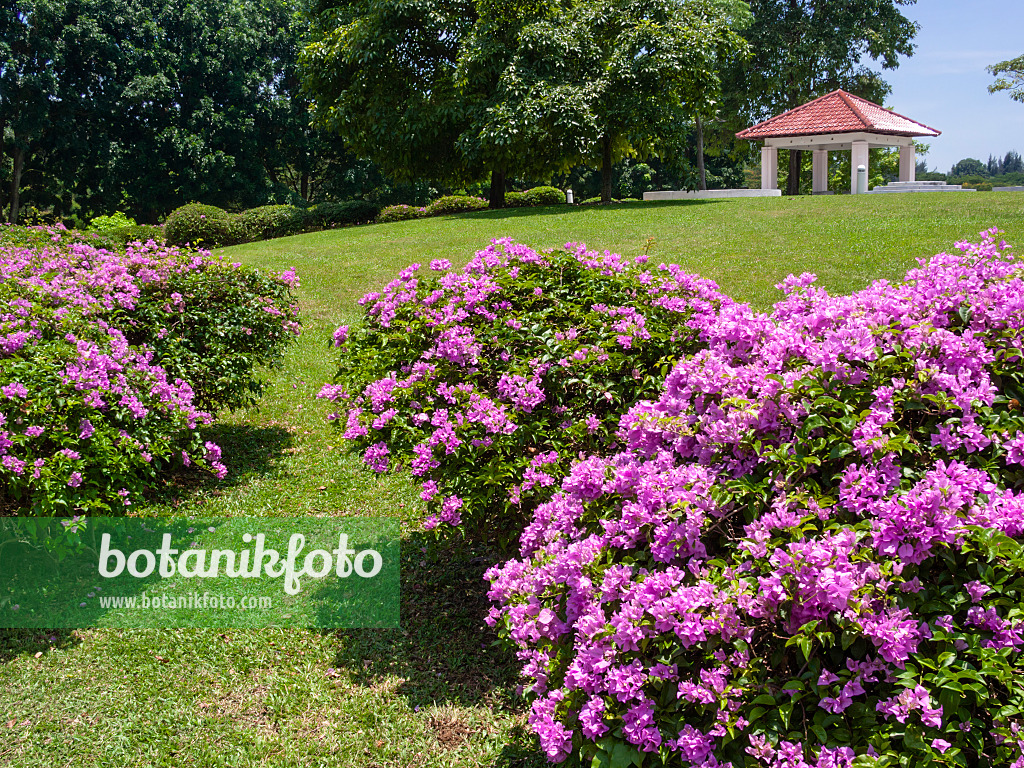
[436, 692]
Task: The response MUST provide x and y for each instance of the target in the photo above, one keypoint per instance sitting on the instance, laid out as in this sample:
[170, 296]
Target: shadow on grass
[444, 652]
[551, 210]
[30, 642]
[515, 756]
[248, 451]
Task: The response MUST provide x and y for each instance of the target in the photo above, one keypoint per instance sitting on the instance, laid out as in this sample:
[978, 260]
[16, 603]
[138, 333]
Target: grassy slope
[434, 693]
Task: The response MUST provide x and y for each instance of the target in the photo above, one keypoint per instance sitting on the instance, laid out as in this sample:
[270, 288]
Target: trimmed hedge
[204, 225]
[212, 227]
[450, 204]
[455, 204]
[534, 197]
[400, 213]
[328, 215]
[270, 221]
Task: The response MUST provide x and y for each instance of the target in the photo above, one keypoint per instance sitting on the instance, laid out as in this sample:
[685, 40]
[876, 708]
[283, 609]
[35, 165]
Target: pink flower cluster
[87, 414]
[798, 529]
[487, 381]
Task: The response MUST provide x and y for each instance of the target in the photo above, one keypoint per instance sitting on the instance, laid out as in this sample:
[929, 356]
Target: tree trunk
[497, 196]
[3, 192]
[19, 166]
[701, 173]
[304, 187]
[606, 169]
[793, 181]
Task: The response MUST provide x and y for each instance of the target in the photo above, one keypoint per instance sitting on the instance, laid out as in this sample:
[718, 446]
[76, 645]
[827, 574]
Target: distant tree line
[143, 105]
[1006, 171]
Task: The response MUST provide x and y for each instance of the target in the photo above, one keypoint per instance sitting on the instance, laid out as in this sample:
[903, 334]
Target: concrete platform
[1008, 189]
[711, 194]
[919, 186]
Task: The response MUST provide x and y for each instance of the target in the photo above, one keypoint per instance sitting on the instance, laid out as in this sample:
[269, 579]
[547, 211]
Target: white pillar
[908, 164]
[769, 168]
[819, 171]
[859, 156]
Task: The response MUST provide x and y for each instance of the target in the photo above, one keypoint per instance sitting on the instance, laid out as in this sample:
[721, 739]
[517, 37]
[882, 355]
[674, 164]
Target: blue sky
[945, 84]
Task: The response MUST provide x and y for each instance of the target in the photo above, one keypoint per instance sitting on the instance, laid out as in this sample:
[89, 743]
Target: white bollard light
[568, 196]
[862, 180]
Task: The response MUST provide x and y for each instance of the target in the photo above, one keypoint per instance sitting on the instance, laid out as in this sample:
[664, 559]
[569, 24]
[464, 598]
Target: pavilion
[836, 121]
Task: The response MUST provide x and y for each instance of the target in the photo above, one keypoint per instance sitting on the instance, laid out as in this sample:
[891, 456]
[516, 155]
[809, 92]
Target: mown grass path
[435, 693]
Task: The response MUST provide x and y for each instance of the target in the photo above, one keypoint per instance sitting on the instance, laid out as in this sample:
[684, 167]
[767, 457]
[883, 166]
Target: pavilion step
[919, 186]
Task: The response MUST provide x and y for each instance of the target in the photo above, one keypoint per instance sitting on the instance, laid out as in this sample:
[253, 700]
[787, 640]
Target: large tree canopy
[142, 105]
[454, 90]
[382, 74]
[606, 78]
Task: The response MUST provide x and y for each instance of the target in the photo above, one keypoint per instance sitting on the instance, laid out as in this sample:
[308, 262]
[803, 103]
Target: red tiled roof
[837, 112]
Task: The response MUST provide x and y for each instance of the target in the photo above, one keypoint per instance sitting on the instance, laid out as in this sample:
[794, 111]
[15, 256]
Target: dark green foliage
[274, 221]
[330, 215]
[400, 213]
[635, 180]
[203, 225]
[969, 166]
[138, 233]
[534, 197]
[382, 76]
[544, 196]
[215, 327]
[455, 204]
[143, 105]
[460, 91]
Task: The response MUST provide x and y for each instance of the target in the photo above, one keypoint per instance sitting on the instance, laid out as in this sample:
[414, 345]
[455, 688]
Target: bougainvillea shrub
[106, 368]
[487, 382]
[810, 553]
[211, 323]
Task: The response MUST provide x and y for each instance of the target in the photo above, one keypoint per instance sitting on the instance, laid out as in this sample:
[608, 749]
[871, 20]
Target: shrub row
[463, 203]
[111, 361]
[806, 550]
[210, 226]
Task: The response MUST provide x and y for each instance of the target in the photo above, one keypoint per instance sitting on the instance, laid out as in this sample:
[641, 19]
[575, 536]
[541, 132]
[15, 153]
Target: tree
[1012, 79]
[969, 166]
[30, 83]
[382, 75]
[142, 105]
[504, 87]
[205, 103]
[802, 49]
[604, 80]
